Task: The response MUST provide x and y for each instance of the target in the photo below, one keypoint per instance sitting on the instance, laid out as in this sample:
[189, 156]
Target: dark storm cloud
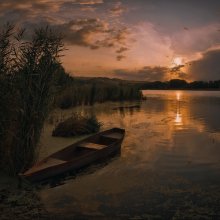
[206, 68]
[147, 73]
[79, 31]
[92, 33]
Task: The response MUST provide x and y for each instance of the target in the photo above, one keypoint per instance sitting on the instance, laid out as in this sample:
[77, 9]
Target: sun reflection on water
[178, 96]
[178, 119]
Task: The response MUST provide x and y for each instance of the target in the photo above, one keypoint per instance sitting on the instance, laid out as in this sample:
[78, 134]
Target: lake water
[169, 167]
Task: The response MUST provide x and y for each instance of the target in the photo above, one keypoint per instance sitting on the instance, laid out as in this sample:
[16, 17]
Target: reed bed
[90, 93]
[26, 79]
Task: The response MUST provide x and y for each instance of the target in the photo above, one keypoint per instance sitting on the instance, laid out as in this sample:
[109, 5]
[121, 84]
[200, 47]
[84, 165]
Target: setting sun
[177, 61]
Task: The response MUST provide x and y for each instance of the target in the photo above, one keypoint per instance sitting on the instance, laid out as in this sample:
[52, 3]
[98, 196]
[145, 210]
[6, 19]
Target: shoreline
[199, 90]
[20, 202]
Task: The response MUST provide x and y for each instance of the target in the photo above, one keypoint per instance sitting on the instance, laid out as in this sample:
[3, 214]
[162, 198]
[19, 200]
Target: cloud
[93, 33]
[195, 40]
[207, 67]
[120, 57]
[11, 4]
[146, 73]
[25, 11]
[117, 10]
[76, 19]
[121, 50]
[88, 8]
[87, 2]
[151, 73]
[178, 74]
[148, 46]
[82, 32]
[38, 9]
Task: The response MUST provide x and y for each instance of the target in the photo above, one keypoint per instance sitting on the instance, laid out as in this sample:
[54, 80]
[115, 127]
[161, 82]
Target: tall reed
[79, 93]
[32, 65]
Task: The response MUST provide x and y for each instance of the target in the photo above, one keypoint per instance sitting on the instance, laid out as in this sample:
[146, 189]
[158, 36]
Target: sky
[129, 39]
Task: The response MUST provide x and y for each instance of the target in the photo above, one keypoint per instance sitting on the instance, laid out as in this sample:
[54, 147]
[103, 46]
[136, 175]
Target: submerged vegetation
[77, 125]
[27, 71]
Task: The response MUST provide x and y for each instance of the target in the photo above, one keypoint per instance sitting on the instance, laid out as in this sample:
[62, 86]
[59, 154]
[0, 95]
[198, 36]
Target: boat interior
[90, 145]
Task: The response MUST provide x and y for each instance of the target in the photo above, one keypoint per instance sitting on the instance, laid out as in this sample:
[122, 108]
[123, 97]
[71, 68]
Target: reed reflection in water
[169, 162]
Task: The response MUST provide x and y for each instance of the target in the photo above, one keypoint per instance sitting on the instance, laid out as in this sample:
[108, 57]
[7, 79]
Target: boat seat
[113, 135]
[92, 145]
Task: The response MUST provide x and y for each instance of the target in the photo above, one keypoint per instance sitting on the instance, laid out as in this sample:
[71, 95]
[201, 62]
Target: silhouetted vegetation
[180, 84]
[26, 75]
[87, 91]
[77, 125]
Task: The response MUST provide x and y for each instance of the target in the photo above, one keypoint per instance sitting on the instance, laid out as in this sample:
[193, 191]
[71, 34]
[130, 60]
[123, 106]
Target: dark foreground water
[169, 167]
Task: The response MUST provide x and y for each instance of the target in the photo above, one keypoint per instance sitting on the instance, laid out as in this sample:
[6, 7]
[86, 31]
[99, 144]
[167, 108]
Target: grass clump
[77, 125]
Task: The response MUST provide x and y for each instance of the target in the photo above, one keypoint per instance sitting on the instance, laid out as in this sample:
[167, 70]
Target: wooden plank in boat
[92, 145]
[113, 135]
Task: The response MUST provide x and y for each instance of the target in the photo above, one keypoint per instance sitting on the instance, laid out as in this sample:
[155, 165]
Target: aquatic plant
[86, 92]
[77, 125]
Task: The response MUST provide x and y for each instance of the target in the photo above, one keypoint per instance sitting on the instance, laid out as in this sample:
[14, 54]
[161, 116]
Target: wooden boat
[77, 155]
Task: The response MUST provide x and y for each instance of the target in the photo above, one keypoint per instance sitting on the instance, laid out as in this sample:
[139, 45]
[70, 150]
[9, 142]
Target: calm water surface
[169, 165]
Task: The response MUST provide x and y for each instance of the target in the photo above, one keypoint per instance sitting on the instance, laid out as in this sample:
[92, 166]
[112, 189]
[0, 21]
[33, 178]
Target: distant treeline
[87, 91]
[180, 84]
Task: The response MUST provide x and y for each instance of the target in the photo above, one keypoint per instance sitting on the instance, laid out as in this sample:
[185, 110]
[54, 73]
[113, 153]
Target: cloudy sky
[129, 39]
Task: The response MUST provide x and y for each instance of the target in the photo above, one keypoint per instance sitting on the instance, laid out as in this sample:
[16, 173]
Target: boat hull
[76, 163]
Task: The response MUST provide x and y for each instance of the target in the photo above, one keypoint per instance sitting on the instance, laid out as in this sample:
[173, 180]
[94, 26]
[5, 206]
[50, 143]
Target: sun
[177, 61]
